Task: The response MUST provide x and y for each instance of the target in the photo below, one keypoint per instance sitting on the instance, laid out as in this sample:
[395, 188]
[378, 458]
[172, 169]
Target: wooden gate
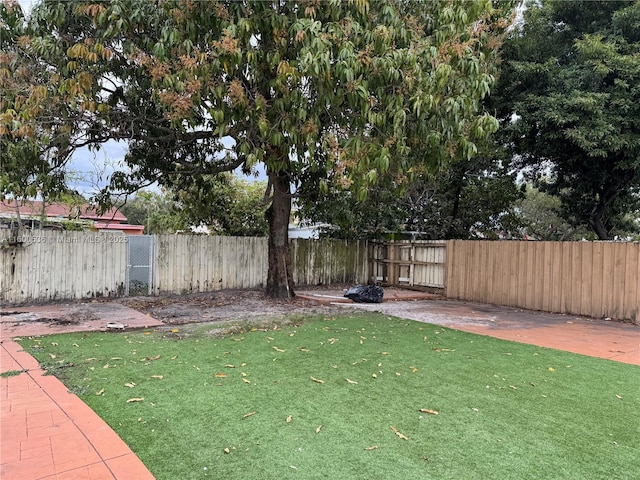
[409, 263]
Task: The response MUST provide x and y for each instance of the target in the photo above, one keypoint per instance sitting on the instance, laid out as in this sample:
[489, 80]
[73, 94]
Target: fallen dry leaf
[246, 380]
[221, 375]
[153, 358]
[138, 399]
[159, 377]
[374, 447]
[619, 397]
[250, 414]
[100, 392]
[317, 380]
[278, 349]
[52, 356]
[229, 365]
[302, 349]
[351, 381]
[319, 428]
[226, 450]
[429, 411]
[289, 419]
[397, 432]
[130, 384]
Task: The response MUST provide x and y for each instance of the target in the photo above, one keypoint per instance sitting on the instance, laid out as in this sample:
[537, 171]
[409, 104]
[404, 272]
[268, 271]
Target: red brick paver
[48, 433]
[45, 431]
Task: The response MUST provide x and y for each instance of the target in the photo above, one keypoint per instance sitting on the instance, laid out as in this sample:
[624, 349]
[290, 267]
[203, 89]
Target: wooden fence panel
[597, 279]
[413, 263]
[190, 263]
[325, 262]
[199, 263]
[51, 265]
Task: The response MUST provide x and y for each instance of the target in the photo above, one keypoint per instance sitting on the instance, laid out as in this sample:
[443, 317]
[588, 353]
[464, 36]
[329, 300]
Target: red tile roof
[33, 208]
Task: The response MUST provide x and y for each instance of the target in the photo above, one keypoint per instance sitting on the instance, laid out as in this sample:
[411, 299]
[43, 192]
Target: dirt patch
[19, 318]
[223, 305]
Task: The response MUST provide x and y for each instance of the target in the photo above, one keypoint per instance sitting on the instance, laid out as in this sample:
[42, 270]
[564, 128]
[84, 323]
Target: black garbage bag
[365, 293]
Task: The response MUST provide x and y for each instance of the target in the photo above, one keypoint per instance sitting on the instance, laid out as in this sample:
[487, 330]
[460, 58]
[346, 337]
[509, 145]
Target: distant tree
[473, 198]
[156, 211]
[542, 218]
[569, 104]
[224, 203]
[469, 199]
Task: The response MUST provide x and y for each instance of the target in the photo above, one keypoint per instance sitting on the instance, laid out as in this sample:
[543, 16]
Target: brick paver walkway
[49, 433]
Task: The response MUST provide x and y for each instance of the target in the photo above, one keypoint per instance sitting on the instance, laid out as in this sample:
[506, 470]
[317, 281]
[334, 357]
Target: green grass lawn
[340, 398]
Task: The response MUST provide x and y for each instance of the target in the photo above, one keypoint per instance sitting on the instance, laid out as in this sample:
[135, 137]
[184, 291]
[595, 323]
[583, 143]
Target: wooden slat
[631, 285]
[596, 306]
[556, 276]
[586, 277]
[608, 265]
[617, 305]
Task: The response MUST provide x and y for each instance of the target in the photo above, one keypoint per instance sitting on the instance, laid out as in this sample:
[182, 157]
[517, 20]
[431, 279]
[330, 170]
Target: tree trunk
[598, 226]
[597, 220]
[279, 278]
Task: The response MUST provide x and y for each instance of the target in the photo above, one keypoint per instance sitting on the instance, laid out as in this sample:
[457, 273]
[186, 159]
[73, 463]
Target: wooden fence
[48, 265]
[199, 263]
[72, 265]
[598, 279]
[185, 263]
[411, 263]
[326, 262]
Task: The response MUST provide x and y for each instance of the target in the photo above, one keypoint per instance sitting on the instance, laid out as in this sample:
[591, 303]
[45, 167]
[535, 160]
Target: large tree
[569, 101]
[350, 88]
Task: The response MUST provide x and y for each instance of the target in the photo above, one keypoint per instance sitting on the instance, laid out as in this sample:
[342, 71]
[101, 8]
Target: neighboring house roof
[33, 208]
[126, 228]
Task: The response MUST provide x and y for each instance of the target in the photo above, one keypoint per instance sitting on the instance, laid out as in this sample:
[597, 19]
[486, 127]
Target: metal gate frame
[140, 262]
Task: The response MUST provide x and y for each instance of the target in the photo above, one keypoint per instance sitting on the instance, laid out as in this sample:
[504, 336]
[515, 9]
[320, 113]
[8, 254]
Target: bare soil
[223, 305]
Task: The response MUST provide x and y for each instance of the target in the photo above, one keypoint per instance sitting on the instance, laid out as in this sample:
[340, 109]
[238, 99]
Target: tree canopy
[569, 100]
[219, 205]
[348, 89]
[466, 199]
